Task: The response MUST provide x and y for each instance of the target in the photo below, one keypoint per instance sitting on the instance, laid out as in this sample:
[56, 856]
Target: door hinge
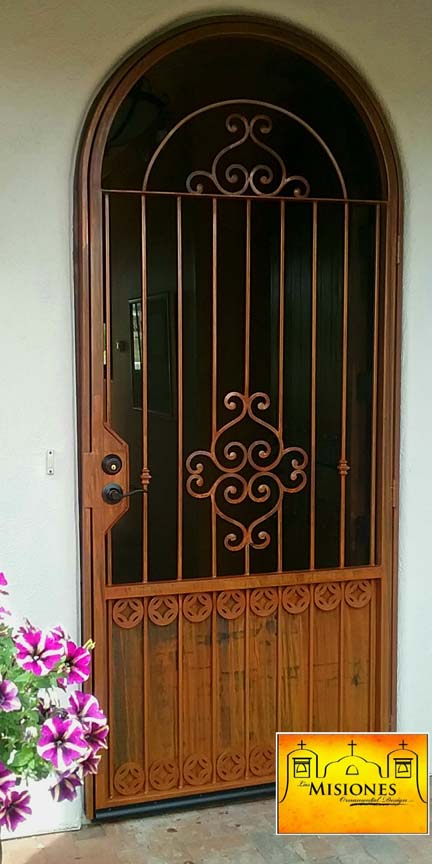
[398, 249]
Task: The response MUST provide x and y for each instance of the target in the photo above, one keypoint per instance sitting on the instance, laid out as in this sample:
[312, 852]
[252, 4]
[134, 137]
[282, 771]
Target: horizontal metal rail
[233, 197]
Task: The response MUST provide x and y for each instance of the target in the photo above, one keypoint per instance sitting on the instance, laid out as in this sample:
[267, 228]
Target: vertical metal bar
[343, 464]
[101, 664]
[108, 339]
[110, 754]
[246, 689]
[279, 662]
[215, 685]
[280, 425]
[247, 333]
[281, 313]
[372, 657]
[311, 659]
[108, 552]
[180, 687]
[281, 366]
[145, 476]
[214, 540]
[214, 375]
[214, 318]
[374, 389]
[247, 559]
[107, 354]
[145, 693]
[179, 390]
[279, 538]
[313, 384]
[341, 659]
[247, 299]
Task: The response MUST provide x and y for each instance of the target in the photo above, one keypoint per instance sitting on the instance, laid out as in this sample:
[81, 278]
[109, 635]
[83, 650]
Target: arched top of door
[297, 41]
[237, 178]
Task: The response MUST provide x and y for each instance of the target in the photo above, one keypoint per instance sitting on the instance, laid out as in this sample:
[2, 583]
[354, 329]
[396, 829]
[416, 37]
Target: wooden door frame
[88, 291]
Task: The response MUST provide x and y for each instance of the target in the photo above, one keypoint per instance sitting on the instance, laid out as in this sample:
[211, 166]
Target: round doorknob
[112, 493]
[111, 464]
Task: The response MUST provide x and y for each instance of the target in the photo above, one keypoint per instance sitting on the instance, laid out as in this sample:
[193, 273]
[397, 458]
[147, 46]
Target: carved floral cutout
[163, 774]
[262, 761]
[264, 601]
[358, 594]
[295, 599]
[231, 604]
[129, 779]
[328, 596]
[197, 607]
[163, 610]
[128, 613]
[197, 770]
[230, 765]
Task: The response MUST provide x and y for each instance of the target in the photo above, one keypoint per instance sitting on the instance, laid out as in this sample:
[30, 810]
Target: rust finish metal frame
[96, 439]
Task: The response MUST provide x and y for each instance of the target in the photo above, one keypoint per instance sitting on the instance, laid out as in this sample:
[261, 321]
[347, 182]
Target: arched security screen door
[238, 213]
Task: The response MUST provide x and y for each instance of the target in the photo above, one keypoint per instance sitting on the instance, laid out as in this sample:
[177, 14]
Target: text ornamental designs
[260, 473]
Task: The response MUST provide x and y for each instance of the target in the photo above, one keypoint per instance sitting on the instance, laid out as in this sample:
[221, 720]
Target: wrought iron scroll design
[236, 178]
[246, 472]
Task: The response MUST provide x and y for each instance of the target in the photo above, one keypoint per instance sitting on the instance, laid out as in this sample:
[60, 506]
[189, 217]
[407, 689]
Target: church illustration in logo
[377, 779]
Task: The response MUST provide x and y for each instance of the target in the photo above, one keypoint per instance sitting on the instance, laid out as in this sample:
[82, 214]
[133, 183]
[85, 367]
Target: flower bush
[48, 728]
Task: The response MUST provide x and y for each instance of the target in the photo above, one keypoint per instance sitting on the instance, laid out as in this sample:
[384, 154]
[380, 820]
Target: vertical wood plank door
[238, 327]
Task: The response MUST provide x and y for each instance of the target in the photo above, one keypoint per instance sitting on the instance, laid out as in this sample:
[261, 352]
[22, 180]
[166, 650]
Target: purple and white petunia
[59, 634]
[95, 735]
[62, 742]
[66, 787]
[37, 652]
[86, 709]
[77, 662]
[3, 583]
[14, 808]
[46, 707]
[7, 780]
[90, 765]
[9, 700]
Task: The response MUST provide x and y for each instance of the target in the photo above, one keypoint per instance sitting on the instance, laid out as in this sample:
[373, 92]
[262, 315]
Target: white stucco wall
[54, 55]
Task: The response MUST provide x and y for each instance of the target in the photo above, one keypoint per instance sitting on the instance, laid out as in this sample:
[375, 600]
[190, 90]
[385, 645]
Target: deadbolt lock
[111, 464]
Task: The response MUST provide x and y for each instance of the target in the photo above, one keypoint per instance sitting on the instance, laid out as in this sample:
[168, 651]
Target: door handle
[113, 493]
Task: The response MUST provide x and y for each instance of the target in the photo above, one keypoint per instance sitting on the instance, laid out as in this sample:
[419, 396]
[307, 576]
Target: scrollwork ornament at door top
[269, 177]
[249, 473]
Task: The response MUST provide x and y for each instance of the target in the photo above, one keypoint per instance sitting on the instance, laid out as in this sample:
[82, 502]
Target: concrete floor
[238, 834]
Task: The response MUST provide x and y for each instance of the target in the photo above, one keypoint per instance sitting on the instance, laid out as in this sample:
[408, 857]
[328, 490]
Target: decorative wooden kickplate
[201, 680]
